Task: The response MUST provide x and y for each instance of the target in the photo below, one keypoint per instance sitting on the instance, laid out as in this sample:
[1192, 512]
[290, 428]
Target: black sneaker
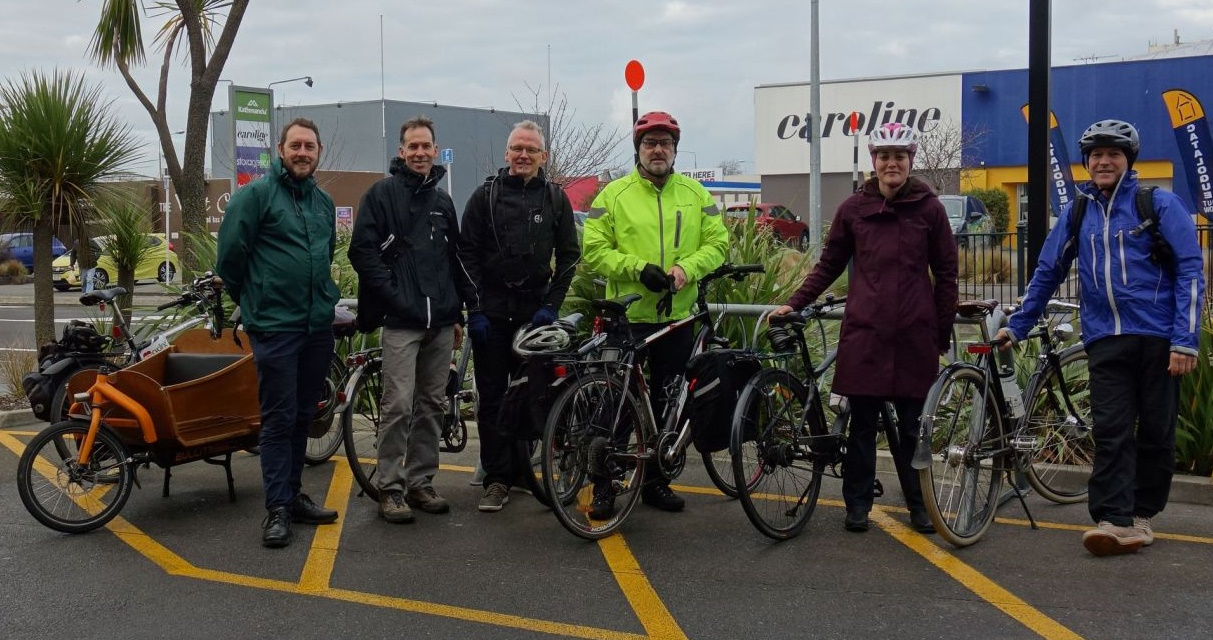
[660, 496]
[921, 522]
[603, 505]
[304, 511]
[276, 528]
[856, 521]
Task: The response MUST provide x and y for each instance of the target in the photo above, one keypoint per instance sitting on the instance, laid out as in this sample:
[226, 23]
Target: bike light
[979, 348]
[597, 325]
[560, 371]
[340, 397]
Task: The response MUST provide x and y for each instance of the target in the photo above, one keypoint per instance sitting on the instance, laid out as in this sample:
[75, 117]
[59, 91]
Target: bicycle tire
[65, 497]
[962, 485]
[328, 440]
[778, 478]
[360, 428]
[582, 442]
[1063, 451]
[530, 466]
[719, 466]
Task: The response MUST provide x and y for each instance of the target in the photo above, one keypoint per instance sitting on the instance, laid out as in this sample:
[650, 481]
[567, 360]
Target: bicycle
[600, 427]
[977, 427]
[783, 440]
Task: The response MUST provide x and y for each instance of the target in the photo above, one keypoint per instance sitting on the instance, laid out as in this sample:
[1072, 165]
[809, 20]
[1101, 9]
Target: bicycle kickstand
[1022, 495]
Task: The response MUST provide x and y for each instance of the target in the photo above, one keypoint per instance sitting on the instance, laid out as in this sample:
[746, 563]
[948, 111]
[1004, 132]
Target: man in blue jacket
[275, 253]
[1141, 303]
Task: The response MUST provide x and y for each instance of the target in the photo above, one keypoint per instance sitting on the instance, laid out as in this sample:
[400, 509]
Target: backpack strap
[1077, 211]
[1160, 250]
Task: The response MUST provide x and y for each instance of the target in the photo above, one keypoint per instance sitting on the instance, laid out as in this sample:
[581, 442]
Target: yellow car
[152, 267]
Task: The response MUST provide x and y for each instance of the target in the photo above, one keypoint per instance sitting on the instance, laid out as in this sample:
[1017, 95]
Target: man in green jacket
[275, 251]
[654, 232]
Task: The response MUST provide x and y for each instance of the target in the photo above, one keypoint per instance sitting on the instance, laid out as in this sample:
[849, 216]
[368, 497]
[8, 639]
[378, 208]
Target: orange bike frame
[102, 393]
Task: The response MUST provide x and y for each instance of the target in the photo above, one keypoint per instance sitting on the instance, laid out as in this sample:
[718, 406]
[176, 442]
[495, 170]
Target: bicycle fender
[922, 451]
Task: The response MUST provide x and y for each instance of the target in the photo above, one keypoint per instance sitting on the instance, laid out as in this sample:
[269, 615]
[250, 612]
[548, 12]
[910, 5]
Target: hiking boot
[305, 511]
[603, 505]
[427, 500]
[660, 496]
[856, 521]
[1143, 527]
[276, 528]
[393, 508]
[494, 498]
[920, 521]
[1108, 539]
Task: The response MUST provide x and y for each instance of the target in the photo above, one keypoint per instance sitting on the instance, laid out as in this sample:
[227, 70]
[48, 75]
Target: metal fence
[993, 266]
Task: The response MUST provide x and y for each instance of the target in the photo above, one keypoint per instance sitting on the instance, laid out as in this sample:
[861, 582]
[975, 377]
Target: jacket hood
[398, 168]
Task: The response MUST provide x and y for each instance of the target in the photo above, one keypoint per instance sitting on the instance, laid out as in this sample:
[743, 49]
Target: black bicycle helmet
[1110, 133]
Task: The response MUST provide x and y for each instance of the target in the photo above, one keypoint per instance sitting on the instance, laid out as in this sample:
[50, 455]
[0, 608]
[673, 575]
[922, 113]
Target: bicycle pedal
[1024, 443]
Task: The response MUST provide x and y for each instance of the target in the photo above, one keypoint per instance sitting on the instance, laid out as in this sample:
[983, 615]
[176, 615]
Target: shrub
[1194, 430]
[14, 365]
[996, 203]
[12, 268]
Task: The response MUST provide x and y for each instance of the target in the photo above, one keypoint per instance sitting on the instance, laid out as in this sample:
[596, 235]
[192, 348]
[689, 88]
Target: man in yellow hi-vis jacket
[652, 232]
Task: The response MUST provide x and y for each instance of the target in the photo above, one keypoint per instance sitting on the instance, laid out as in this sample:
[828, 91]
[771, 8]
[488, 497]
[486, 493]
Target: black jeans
[291, 368]
[495, 361]
[1131, 388]
[859, 467]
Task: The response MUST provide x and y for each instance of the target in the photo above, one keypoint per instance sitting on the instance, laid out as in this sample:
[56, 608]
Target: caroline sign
[782, 118]
[252, 135]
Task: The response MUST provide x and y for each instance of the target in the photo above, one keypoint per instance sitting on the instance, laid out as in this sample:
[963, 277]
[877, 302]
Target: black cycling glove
[654, 279]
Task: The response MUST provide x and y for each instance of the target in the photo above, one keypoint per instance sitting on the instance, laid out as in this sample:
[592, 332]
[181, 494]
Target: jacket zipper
[1107, 264]
[1094, 272]
[1124, 273]
[660, 230]
[677, 228]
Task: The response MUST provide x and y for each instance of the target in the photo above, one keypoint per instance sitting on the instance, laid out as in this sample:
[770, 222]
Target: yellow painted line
[323, 555]
[484, 617]
[649, 608]
[28, 434]
[150, 549]
[457, 467]
[974, 581]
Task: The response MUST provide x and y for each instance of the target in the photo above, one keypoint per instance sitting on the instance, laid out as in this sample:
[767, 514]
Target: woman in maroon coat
[897, 321]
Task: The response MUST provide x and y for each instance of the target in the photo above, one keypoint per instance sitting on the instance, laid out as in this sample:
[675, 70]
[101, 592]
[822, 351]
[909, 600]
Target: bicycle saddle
[617, 306]
[95, 297]
[344, 323]
[976, 308]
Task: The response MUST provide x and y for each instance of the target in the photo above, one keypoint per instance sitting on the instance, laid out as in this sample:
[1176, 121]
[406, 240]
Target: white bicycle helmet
[552, 338]
[893, 135]
[1110, 133]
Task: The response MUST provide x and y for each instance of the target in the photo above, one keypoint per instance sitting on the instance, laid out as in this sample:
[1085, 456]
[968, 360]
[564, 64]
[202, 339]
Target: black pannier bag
[716, 378]
[527, 400]
[40, 386]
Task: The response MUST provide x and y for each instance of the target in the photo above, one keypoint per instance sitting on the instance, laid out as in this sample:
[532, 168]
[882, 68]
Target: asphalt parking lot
[191, 565]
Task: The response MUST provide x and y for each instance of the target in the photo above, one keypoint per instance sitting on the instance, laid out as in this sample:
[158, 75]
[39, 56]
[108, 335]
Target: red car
[786, 225]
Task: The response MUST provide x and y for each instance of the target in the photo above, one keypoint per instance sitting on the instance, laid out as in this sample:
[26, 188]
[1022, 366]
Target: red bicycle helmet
[654, 120]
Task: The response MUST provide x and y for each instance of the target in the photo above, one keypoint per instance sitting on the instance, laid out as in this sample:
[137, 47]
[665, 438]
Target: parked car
[21, 247]
[786, 225]
[971, 223]
[152, 267]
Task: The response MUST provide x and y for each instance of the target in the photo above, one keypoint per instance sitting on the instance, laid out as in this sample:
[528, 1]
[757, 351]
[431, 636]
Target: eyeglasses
[530, 151]
[650, 143]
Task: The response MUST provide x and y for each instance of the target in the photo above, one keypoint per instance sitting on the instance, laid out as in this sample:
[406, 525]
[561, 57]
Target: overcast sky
[702, 58]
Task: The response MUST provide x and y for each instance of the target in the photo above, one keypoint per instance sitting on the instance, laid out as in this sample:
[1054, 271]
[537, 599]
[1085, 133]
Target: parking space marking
[974, 580]
[318, 569]
[649, 608]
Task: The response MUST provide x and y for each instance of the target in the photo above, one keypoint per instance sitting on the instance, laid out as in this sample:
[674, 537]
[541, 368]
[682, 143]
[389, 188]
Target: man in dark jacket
[275, 253]
[513, 225]
[403, 248]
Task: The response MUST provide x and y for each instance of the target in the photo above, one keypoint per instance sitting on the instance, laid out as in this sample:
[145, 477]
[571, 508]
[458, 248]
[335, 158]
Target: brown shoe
[393, 508]
[427, 500]
[1108, 539]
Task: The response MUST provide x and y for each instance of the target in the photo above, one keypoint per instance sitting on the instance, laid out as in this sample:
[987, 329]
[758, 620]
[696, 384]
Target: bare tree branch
[944, 151]
[575, 150]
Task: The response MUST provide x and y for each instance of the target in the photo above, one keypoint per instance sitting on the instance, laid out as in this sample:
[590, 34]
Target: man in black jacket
[513, 225]
[404, 250]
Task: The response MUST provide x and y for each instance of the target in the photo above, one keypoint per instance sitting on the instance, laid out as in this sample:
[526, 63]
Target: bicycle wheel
[586, 450]
[719, 465]
[1062, 448]
[62, 494]
[778, 479]
[322, 439]
[962, 484]
[360, 428]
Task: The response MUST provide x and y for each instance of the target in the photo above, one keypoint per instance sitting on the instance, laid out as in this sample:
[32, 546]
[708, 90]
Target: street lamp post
[694, 157]
[166, 184]
[273, 112]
